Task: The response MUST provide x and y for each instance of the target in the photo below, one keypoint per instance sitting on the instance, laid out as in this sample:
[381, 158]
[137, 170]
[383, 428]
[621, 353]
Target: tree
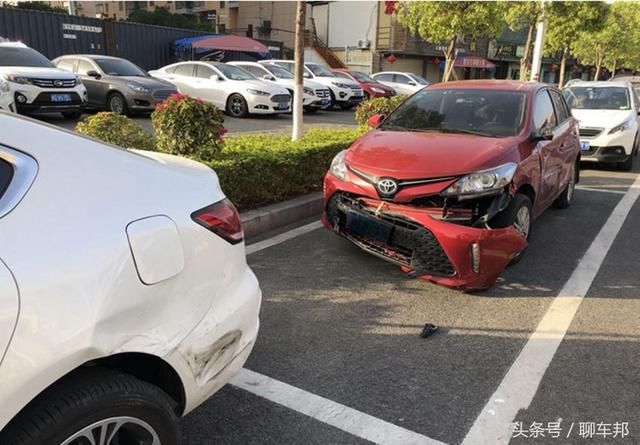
[519, 16]
[297, 128]
[41, 6]
[447, 22]
[163, 17]
[615, 43]
[566, 21]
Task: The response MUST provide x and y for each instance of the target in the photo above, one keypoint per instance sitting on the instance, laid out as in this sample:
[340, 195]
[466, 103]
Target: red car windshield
[489, 113]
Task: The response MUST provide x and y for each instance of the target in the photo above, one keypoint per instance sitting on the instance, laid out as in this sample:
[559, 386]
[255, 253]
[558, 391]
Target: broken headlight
[483, 182]
[339, 166]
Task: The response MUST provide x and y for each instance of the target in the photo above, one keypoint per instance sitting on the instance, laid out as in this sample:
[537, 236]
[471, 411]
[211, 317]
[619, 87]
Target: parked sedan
[228, 87]
[344, 93]
[135, 304]
[607, 114]
[369, 85]
[448, 184]
[116, 84]
[402, 83]
[316, 95]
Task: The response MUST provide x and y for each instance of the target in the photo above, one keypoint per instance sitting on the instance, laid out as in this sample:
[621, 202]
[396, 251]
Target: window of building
[222, 5]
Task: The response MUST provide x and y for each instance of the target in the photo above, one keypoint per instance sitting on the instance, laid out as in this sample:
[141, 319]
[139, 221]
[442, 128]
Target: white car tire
[93, 398]
[237, 106]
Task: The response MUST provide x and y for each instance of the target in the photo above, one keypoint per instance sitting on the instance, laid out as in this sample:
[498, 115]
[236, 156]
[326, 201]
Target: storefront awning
[473, 62]
[220, 42]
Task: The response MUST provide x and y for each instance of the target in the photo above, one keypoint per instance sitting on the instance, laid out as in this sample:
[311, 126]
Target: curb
[264, 219]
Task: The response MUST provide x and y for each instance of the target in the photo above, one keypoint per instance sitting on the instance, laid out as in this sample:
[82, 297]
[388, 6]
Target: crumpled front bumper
[445, 253]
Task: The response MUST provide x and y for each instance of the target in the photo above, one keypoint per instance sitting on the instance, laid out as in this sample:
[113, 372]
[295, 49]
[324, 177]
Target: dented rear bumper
[443, 252]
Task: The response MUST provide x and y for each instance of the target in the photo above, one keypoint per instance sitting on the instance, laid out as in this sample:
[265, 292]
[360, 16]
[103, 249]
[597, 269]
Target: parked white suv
[316, 96]
[30, 83]
[228, 87]
[344, 93]
[607, 114]
[125, 296]
[403, 83]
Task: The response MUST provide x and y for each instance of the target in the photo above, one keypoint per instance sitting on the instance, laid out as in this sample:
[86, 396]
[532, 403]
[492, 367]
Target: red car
[370, 86]
[448, 184]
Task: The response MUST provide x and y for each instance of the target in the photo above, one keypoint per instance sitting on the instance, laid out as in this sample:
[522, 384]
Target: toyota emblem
[387, 187]
[57, 83]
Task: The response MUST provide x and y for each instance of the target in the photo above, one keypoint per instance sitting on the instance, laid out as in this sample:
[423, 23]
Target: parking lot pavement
[259, 124]
[340, 332]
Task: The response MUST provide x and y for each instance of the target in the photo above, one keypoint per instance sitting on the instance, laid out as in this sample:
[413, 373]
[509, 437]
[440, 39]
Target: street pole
[536, 62]
[296, 132]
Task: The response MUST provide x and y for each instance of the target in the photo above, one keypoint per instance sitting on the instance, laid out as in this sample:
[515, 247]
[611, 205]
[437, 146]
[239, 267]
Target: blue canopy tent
[220, 48]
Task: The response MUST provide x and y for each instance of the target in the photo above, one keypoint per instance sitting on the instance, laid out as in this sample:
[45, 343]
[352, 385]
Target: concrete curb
[263, 219]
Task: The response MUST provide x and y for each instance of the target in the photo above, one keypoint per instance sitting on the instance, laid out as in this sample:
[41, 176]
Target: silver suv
[116, 84]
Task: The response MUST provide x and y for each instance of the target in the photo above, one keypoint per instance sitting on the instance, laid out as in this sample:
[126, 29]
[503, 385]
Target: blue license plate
[283, 106]
[61, 98]
[585, 145]
[324, 101]
[368, 226]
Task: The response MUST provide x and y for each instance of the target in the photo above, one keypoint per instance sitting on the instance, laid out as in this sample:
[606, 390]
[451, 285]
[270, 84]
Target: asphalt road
[340, 324]
[258, 124]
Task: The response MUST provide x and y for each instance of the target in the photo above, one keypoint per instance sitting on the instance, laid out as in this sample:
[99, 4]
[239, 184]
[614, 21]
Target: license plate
[282, 106]
[584, 145]
[61, 98]
[368, 226]
[324, 101]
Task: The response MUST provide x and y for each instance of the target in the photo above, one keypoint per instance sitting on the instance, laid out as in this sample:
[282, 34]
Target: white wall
[350, 22]
[321, 19]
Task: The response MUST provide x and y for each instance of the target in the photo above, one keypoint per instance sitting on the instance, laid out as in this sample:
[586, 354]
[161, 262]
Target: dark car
[448, 184]
[116, 84]
[370, 86]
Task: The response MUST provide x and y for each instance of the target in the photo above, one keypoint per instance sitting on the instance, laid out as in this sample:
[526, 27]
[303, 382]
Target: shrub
[190, 127]
[378, 105]
[117, 130]
[258, 170]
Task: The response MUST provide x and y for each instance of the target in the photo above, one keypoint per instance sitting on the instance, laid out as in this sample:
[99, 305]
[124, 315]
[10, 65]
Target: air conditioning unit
[364, 44]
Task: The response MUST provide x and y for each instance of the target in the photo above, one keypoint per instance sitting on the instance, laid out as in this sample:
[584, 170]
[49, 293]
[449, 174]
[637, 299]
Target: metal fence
[53, 34]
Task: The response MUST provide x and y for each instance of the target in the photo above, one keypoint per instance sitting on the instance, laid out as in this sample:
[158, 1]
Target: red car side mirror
[375, 120]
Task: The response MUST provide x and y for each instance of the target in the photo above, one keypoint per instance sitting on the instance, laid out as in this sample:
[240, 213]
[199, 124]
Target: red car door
[569, 141]
[551, 165]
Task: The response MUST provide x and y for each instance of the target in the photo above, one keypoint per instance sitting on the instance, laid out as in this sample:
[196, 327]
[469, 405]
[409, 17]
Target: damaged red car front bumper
[413, 237]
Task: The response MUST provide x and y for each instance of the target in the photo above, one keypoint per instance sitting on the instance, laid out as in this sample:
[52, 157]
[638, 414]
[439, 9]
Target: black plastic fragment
[428, 330]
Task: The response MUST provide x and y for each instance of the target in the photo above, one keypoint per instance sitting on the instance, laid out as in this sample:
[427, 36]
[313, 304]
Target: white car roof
[13, 44]
[601, 83]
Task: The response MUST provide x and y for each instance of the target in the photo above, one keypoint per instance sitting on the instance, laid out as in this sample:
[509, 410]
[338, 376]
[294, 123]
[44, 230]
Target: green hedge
[259, 170]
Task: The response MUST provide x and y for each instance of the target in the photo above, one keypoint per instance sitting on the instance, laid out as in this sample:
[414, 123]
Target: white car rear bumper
[217, 348]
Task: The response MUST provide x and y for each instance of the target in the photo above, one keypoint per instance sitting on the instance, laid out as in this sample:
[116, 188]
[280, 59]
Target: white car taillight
[223, 219]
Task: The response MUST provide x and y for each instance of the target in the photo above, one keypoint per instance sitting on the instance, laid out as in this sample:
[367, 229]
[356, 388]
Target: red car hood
[412, 155]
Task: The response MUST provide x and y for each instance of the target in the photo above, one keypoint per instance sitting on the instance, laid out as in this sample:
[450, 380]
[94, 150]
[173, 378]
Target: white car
[316, 96]
[607, 114]
[125, 296]
[344, 93]
[30, 83]
[228, 87]
[403, 83]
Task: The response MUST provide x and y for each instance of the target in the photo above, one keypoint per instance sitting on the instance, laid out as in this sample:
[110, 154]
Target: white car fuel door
[156, 248]
[9, 307]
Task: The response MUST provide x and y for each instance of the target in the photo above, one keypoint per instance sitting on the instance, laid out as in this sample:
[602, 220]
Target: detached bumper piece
[390, 237]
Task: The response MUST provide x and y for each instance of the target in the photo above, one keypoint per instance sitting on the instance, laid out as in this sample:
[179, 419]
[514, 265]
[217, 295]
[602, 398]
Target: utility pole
[296, 132]
[536, 62]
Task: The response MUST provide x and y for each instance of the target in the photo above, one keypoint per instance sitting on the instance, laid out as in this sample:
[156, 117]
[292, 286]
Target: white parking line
[519, 386]
[339, 416]
[286, 236]
[591, 189]
[324, 410]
